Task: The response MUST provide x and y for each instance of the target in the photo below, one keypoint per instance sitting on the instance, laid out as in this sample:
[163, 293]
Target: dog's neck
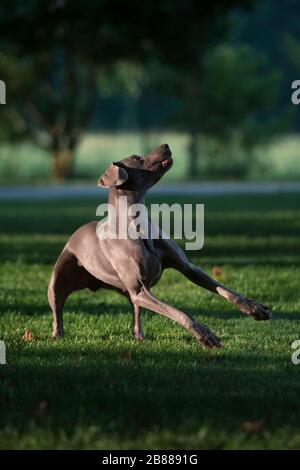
[120, 200]
[133, 197]
[119, 215]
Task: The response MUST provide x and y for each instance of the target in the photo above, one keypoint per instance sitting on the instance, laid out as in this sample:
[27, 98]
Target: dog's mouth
[167, 163]
[167, 160]
[163, 164]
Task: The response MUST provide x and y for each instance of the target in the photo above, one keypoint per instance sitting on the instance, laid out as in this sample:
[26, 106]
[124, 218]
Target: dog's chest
[152, 267]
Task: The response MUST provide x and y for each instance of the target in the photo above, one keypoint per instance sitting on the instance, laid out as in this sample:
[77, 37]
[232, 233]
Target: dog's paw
[139, 336]
[57, 335]
[255, 309]
[205, 337]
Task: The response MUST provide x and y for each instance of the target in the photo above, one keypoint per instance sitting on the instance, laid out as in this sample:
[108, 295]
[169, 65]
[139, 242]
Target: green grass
[26, 163]
[98, 388]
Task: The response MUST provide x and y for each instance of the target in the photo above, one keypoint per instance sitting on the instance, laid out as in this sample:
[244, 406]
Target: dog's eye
[136, 158]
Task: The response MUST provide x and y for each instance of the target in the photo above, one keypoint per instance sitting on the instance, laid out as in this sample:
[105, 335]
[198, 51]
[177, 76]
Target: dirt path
[88, 190]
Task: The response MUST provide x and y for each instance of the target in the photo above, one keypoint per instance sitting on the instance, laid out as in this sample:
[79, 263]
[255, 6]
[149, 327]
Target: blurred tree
[239, 93]
[63, 44]
[18, 79]
[270, 30]
[237, 110]
[189, 29]
[52, 53]
[50, 100]
[292, 48]
[60, 47]
[237, 87]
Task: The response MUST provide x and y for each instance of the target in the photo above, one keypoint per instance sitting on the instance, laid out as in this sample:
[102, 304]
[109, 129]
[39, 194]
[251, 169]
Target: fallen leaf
[112, 382]
[27, 336]
[126, 355]
[216, 272]
[253, 426]
[42, 408]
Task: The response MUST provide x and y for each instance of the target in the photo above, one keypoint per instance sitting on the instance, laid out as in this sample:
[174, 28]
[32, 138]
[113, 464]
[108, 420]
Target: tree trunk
[194, 103]
[193, 123]
[143, 124]
[63, 164]
[193, 152]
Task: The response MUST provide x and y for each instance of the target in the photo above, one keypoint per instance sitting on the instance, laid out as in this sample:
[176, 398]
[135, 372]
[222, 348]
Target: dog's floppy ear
[112, 177]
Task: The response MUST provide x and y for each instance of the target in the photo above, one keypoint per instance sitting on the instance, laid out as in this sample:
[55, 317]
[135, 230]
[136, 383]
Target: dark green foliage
[52, 53]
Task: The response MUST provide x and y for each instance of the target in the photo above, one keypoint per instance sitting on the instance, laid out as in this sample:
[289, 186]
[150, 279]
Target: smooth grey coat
[132, 267]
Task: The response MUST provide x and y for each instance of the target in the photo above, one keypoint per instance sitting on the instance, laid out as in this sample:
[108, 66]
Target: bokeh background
[93, 81]
[89, 82]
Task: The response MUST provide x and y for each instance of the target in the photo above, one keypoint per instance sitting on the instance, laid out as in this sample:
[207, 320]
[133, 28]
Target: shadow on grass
[92, 304]
[75, 305]
[255, 215]
[128, 394]
[244, 229]
[234, 314]
[44, 250]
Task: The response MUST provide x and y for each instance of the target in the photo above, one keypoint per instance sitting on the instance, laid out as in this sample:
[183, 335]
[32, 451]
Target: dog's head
[138, 173]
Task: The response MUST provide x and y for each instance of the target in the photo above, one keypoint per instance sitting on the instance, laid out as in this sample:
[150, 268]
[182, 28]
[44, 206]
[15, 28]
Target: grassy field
[98, 388]
[25, 163]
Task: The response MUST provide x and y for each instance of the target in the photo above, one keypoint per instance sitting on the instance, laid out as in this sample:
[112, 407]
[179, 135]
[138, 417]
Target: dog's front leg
[249, 307]
[203, 335]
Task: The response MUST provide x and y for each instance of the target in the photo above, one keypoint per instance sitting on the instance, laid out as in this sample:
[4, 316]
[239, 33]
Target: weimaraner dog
[133, 266]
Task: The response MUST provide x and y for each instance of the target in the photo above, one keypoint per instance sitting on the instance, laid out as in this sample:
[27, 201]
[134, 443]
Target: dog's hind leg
[137, 330]
[137, 324]
[68, 276]
[56, 299]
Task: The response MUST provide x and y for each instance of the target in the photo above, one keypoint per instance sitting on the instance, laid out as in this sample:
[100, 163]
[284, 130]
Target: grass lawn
[98, 388]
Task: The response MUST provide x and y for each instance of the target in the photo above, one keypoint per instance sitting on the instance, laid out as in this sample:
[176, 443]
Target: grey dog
[133, 266]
